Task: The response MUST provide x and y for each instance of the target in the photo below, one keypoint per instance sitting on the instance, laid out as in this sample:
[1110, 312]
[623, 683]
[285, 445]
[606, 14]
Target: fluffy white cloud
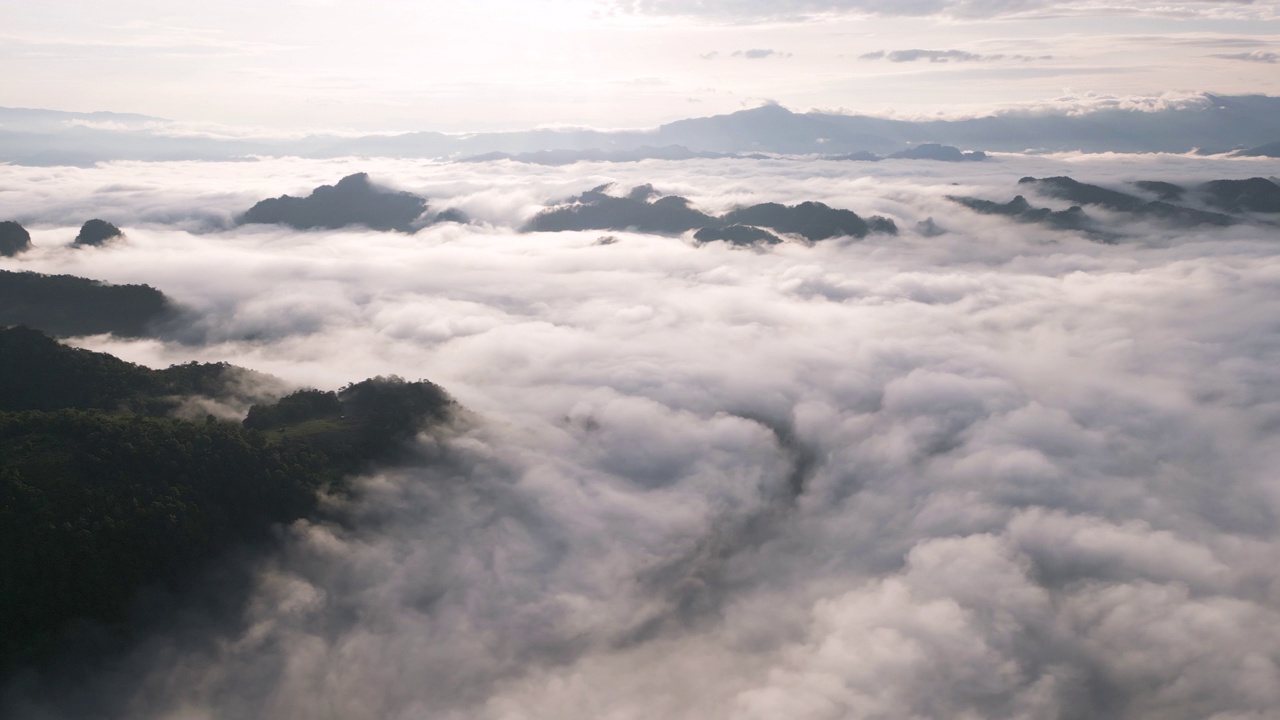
[1001, 472]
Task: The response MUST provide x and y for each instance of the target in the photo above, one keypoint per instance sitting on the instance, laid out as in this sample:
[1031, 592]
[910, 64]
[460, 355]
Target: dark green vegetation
[643, 209]
[103, 493]
[13, 239]
[39, 373]
[362, 421]
[96, 232]
[1252, 195]
[65, 305]
[353, 201]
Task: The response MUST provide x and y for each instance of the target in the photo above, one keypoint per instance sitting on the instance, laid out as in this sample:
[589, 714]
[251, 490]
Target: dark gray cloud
[1001, 471]
[943, 56]
[1211, 41]
[751, 54]
[760, 54]
[1260, 56]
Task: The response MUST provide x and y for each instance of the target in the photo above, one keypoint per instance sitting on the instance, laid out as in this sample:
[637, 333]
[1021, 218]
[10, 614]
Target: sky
[393, 65]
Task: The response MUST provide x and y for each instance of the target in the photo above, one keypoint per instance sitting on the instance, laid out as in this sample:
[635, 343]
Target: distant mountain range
[1249, 124]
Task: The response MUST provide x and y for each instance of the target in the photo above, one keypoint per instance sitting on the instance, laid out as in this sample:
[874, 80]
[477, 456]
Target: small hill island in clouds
[671, 214]
[352, 201]
[13, 238]
[592, 359]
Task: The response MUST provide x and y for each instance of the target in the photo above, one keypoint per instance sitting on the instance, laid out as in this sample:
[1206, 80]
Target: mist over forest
[726, 437]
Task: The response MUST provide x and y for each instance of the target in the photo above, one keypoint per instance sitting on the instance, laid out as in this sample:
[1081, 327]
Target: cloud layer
[966, 9]
[1260, 56]
[944, 56]
[1000, 472]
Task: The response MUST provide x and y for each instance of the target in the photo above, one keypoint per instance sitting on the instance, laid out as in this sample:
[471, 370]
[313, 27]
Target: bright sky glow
[505, 64]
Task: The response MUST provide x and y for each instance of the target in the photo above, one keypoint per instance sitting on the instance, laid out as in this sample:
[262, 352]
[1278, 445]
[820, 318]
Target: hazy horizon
[497, 65]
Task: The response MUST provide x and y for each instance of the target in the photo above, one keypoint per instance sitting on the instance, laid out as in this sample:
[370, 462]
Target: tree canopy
[103, 492]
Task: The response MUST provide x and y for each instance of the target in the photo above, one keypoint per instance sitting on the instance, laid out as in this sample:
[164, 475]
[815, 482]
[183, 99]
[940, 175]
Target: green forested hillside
[66, 305]
[95, 505]
[102, 493]
[39, 373]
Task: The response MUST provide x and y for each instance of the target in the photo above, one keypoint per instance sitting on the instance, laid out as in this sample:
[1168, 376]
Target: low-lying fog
[1004, 472]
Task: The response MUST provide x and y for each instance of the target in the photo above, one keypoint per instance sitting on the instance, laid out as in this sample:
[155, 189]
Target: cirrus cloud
[944, 56]
[755, 10]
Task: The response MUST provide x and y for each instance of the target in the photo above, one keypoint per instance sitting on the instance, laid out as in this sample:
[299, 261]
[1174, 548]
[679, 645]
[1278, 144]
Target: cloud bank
[944, 56]
[1255, 56]
[754, 10]
[998, 472]
[760, 53]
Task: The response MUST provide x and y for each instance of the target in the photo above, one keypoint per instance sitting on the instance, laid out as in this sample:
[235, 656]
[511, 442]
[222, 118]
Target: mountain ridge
[1216, 124]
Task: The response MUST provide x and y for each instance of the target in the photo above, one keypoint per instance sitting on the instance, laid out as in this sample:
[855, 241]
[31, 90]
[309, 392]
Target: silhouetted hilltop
[596, 210]
[353, 201]
[924, 151]
[13, 239]
[928, 228]
[859, 156]
[1085, 194]
[102, 496]
[1166, 191]
[362, 421]
[643, 209]
[773, 128]
[935, 151]
[1020, 209]
[1016, 207]
[1212, 121]
[42, 374]
[810, 220]
[66, 305]
[1268, 150]
[96, 232]
[1252, 195]
[452, 215]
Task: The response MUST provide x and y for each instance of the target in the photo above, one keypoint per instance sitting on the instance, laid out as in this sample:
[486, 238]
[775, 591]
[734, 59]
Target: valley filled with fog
[979, 468]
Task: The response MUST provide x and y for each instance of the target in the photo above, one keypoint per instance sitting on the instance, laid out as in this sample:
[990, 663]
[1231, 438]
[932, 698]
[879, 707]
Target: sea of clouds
[1004, 472]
